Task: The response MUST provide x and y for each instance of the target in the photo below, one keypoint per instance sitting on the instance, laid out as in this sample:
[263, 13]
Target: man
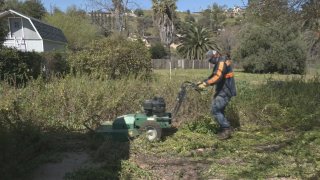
[222, 77]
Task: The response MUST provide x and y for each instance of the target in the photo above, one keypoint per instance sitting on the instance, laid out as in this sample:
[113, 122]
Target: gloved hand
[201, 85]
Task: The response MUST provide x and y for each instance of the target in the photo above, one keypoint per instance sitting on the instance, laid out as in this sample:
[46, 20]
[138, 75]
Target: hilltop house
[30, 34]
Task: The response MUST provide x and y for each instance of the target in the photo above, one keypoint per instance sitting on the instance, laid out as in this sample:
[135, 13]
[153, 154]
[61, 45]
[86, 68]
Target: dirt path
[167, 168]
[56, 171]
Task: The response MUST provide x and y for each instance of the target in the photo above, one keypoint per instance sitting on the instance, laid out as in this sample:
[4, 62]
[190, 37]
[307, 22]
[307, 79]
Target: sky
[183, 5]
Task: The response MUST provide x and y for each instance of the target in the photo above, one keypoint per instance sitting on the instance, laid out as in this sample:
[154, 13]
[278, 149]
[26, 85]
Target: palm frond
[196, 42]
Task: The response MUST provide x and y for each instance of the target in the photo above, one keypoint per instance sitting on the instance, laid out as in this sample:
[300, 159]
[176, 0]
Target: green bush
[21, 142]
[271, 48]
[113, 58]
[55, 63]
[3, 32]
[18, 67]
[158, 51]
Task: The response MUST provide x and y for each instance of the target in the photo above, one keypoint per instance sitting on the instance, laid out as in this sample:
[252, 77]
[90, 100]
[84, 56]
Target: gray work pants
[219, 104]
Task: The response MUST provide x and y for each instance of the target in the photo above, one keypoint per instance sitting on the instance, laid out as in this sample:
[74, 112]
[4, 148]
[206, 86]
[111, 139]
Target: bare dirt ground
[162, 167]
[56, 171]
[169, 167]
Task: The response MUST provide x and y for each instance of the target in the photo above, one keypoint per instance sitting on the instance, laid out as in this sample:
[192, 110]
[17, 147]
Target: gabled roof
[44, 30]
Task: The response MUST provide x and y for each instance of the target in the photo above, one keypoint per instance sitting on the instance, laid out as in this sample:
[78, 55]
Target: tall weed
[289, 104]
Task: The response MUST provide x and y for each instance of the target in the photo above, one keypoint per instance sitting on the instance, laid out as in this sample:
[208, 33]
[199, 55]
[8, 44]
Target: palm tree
[163, 13]
[196, 42]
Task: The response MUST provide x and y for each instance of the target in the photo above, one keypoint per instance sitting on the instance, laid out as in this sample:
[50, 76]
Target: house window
[17, 25]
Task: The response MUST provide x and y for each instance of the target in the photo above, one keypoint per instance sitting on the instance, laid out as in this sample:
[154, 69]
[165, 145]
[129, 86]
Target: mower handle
[194, 86]
[182, 94]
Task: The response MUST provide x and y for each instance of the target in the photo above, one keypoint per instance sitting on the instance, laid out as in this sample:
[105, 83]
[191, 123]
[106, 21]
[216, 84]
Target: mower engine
[151, 122]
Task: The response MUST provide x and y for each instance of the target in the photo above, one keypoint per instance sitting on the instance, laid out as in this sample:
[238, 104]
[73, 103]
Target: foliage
[33, 8]
[158, 51]
[76, 27]
[213, 17]
[267, 10]
[114, 57]
[310, 14]
[143, 24]
[21, 142]
[3, 30]
[139, 12]
[189, 18]
[164, 13]
[182, 23]
[278, 137]
[271, 48]
[279, 110]
[196, 43]
[3, 33]
[55, 63]
[311, 22]
[18, 67]
[228, 39]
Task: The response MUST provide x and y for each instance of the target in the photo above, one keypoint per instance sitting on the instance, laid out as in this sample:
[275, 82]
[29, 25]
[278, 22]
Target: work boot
[225, 134]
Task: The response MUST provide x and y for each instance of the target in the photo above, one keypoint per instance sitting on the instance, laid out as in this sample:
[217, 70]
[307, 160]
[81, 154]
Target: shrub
[158, 51]
[18, 66]
[113, 58]
[3, 32]
[21, 142]
[271, 48]
[55, 62]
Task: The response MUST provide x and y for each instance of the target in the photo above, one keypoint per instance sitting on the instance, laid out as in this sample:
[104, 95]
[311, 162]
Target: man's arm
[218, 75]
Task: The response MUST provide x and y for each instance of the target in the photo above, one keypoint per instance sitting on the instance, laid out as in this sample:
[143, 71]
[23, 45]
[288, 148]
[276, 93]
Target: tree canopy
[32, 8]
[76, 26]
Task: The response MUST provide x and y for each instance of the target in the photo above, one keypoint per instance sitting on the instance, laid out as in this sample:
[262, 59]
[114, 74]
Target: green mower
[151, 122]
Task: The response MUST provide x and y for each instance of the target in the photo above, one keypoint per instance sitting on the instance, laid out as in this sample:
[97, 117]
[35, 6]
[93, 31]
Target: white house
[30, 34]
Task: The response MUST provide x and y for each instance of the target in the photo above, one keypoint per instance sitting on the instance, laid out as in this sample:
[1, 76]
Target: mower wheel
[152, 130]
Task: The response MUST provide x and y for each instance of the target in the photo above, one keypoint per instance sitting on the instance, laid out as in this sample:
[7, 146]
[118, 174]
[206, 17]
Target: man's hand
[202, 85]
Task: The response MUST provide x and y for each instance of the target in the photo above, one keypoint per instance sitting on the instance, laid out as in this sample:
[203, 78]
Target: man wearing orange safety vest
[222, 77]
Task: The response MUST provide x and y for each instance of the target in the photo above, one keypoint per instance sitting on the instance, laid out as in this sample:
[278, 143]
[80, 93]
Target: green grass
[314, 70]
[253, 79]
[279, 133]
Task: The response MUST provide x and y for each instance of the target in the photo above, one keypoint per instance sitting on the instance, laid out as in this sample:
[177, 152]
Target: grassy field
[200, 74]
[267, 145]
[278, 135]
[261, 148]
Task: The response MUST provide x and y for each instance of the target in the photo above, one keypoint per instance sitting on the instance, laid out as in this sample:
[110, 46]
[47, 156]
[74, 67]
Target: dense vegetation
[46, 98]
[268, 115]
[69, 21]
[272, 48]
[17, 67]
[113, 58]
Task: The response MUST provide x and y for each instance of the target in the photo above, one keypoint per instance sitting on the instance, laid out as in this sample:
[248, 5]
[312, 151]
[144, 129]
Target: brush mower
[151, 122]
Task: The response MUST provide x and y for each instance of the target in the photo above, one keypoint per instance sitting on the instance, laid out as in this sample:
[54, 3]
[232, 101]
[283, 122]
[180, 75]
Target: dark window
[17, 25]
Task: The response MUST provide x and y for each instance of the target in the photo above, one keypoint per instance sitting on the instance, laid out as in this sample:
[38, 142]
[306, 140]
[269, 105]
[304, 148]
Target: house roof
[44, 30]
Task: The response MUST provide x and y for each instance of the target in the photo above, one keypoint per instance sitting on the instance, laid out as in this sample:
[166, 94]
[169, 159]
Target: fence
[180, 64]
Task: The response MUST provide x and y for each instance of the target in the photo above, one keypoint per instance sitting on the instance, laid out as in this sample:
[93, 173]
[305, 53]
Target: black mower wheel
[151, 130]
